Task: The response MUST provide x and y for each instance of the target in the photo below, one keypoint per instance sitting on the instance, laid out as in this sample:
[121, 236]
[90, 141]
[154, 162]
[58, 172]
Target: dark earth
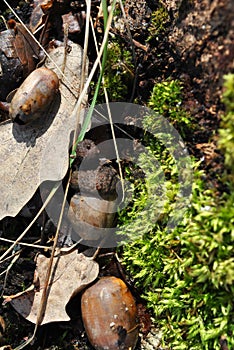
[195, 47]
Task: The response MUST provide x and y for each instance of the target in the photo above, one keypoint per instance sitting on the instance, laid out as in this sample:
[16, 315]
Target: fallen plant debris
[24, 145]
[20, 55]
[62, 287]
[188, 45]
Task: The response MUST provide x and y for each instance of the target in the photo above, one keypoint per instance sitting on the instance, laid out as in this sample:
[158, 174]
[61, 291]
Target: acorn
[109, 315]
[34, 96]
[91, 217]
[93, 208]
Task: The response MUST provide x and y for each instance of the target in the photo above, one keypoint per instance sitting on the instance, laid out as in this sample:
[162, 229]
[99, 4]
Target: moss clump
[166, 100]
[159, 21]
[185, 274]
[118, 74]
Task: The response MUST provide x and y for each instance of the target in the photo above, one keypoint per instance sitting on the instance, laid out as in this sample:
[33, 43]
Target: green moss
[159, 20]
[166, 100]
[186, 275]
[226, 132]
[119, 73]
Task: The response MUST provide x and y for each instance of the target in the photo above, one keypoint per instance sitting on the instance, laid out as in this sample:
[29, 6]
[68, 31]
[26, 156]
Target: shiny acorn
[109, 315]
[34, 96]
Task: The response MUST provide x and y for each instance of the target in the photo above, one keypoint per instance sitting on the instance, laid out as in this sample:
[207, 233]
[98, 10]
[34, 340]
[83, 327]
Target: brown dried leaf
[71, 273]
[28, 51]
[38, 152]
[40, 21]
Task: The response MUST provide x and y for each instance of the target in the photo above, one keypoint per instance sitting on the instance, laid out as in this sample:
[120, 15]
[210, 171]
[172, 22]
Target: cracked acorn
[109, 315]
[34, 96]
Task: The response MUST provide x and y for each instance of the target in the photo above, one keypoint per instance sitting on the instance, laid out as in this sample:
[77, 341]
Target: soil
[195, 47]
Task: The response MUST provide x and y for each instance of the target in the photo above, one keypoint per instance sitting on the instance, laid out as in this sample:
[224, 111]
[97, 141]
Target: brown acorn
[109, 315]
[34, 96]
[91, 217]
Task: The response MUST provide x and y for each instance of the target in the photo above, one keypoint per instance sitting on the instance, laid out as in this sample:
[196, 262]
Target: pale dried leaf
[71, 273]
[31, 154]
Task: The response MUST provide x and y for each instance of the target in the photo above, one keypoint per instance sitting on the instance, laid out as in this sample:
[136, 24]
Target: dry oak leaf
[71, 273]
[36, 152]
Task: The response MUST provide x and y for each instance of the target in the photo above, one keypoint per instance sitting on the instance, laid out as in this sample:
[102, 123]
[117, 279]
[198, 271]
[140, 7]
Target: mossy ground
[186, 47]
